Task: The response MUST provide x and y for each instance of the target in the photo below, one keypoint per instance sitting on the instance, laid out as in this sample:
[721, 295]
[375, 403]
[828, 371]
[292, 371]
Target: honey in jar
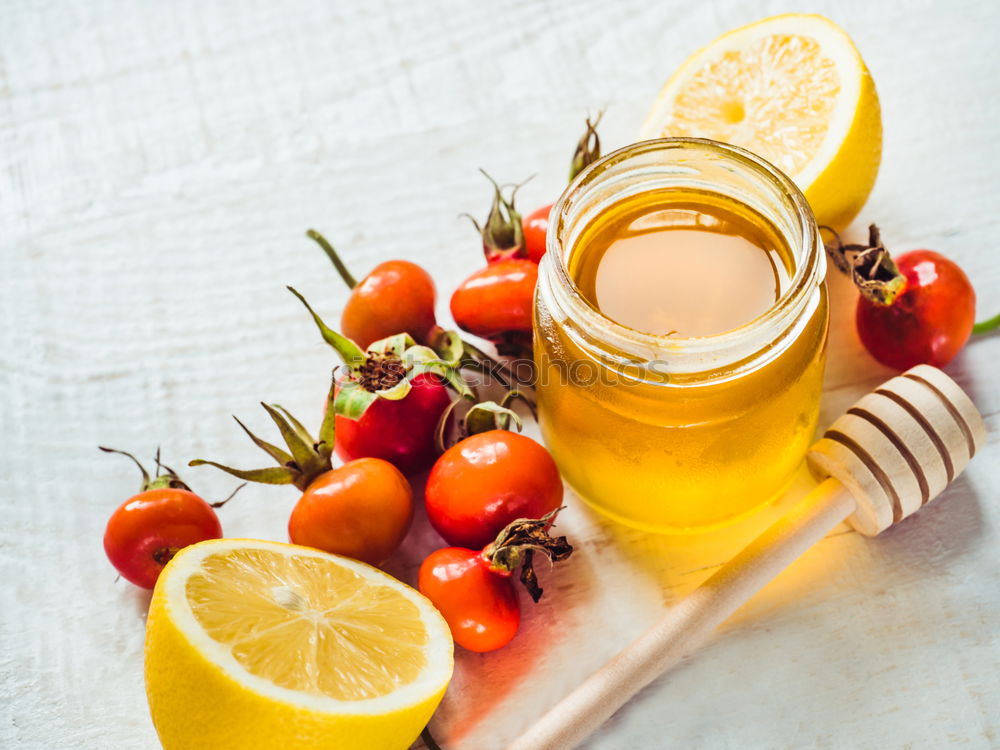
[677, 264]
[681, 324]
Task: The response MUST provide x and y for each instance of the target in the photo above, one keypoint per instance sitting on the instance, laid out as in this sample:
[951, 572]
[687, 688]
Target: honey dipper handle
[686, 624]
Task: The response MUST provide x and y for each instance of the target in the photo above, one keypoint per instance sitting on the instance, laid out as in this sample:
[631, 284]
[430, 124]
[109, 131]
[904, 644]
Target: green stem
[334, 258]
[986, 326]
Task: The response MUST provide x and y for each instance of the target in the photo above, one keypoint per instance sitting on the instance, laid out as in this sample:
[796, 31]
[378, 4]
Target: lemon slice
[792, 89]
[253, 644]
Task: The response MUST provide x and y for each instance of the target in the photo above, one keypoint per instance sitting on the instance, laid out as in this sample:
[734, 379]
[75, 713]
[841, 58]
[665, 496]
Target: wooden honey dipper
[890, 454]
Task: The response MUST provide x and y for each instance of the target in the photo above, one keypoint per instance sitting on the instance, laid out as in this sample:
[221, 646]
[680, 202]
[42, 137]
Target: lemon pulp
[280, 647]
[282, 623]
[775, 97]
[792, 89]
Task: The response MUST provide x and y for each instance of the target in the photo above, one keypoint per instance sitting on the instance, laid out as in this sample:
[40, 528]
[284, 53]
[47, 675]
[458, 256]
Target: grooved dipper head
[898, 447]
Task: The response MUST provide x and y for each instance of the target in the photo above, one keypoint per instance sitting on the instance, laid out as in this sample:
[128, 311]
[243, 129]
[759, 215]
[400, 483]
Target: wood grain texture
[686, 624]
[159, 163]
[862, 462]
[880, 446]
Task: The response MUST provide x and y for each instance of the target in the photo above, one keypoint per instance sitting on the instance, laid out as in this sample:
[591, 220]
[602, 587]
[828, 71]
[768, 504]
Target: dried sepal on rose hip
[496, 302]
[362, 509]
[917, 308]
[385, 369]
[301, 461]
[536, 224]
[588, 148]
[463, 355]
[149, 528]
[479, 417]
[389, 398]
[398, 296]
[473, 588]
[487, 474]
[518, 542]
[870, 266]
[502, 232]
[490, 415]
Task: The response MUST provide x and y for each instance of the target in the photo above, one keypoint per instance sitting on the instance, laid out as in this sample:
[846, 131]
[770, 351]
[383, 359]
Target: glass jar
[680, 434]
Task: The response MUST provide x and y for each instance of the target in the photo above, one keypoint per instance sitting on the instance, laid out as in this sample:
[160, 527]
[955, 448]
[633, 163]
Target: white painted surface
[158, 165]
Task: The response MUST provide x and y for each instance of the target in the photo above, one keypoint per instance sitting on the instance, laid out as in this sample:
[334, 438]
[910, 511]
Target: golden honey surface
[689, 451]
[670, 264]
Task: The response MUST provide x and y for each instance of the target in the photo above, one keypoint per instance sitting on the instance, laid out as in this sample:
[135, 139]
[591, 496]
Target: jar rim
[809, 268]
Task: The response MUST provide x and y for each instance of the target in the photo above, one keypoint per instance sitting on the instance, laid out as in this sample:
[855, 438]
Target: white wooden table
[159, 163]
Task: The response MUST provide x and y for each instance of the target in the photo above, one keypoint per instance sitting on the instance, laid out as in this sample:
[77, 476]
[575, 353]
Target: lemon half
[262, 645]
[792, 89]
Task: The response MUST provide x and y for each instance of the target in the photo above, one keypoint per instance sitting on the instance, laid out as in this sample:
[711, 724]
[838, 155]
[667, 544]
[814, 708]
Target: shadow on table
[678, 563]
[137, 598]
[948, 527]
[486, 685]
